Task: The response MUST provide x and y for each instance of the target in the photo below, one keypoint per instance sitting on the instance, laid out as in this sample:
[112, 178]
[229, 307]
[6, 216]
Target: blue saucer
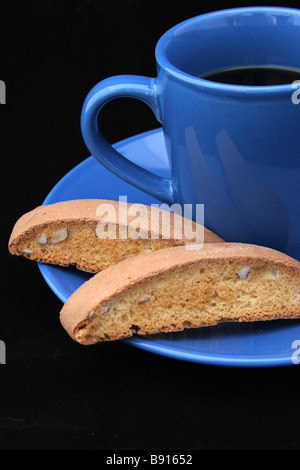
[227, 344]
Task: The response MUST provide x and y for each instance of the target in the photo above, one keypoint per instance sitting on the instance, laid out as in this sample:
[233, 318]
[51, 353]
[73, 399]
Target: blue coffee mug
[233, 148]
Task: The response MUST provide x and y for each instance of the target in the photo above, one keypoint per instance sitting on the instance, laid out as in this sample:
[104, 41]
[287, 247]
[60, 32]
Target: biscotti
[93, 234]
[174, 288]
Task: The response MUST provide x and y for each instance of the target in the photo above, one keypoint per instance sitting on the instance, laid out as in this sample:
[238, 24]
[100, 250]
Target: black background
[55, 394]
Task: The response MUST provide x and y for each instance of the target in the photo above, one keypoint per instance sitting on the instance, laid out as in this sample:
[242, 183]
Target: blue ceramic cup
[234, 148]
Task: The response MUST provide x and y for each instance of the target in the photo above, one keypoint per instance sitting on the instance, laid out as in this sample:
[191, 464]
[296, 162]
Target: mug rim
[180, 75]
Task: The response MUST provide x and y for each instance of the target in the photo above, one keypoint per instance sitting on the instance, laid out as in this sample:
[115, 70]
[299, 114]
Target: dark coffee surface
[254, 75]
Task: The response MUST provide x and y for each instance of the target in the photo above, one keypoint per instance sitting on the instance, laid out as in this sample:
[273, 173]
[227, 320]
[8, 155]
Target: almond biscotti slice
[93, 234]
[174, 288]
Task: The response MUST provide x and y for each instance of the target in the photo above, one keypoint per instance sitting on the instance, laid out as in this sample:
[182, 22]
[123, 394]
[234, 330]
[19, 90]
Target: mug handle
[134, 86]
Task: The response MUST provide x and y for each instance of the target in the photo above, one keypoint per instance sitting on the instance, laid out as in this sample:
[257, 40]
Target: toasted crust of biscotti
[79, 221]
[174, 288]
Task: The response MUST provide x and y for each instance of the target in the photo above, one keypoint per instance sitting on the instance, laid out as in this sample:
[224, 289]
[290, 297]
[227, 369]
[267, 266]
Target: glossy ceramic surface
[231, 344]
[230, 147]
